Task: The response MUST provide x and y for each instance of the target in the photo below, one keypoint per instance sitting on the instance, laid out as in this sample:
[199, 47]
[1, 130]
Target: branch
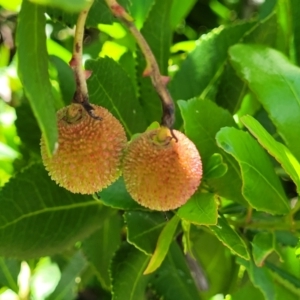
[158, 81]
[81, 94]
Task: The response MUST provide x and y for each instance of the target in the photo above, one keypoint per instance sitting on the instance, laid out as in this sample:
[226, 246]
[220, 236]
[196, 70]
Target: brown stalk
[81, 94]
[158, 81]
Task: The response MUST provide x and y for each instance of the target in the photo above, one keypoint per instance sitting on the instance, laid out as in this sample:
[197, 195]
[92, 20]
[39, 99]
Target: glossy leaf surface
[110, 86]
[202, 120]
[215, 167]
[211, 255]
[279, 151]
[9, 271]
[34, 73]
[116, 196]
[128, 281]
[173, 279]
[100, 247]
[230, 238]
[144, 229]
[261, 278]
[163, 243]
[276, 84]
[262, 187]
[66, 217]
[201, 209]
[205, 63]
[263, 245]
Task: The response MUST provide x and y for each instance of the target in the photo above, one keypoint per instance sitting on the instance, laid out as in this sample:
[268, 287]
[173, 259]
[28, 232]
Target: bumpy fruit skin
[89, 152]
[160, 173]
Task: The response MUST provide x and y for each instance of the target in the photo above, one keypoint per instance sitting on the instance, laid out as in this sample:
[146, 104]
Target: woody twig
[152, 70]
[81, 94]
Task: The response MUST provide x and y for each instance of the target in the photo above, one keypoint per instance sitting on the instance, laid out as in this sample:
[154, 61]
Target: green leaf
[9, 271]
[247, 292]
[139, 10]
[33, 72]
[128, 62]
[67, 5]
[263, 245]
[173, 279]
[297, 252]
[27, 128]
[251, 106]
[201, 209]
[144, 229]
[116, 196]
[279, 151]
[66, 286]
[295, 12]
[250, 292]
[128, 281]
[186, 240]
[163, 243]
[263, 32]
[57, 93]
[65, 77]
[215, 168]
[276, 84]
[286, 238]
[55, 49]
[179, 11]
[290, 264]
[230, 238]
[261, 187]
[231, 208]
[285, 293]
[205, 63]
[211, 255]
[157, 31]
[231, 88]
[284, 28]
[285, 278]
[261, 278]
[266, 8]
[110, 86]
[202, 120]
[5, 54]
[100, 247]
[65, 217]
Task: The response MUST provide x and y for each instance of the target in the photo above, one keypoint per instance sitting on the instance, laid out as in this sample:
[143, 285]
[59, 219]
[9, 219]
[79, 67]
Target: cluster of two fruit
[159, 172]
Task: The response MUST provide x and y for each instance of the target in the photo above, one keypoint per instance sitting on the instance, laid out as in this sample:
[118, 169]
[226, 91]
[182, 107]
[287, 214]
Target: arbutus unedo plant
[109, 194]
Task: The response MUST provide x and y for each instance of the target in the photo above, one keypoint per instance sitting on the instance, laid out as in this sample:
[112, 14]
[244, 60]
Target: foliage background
[234, 68]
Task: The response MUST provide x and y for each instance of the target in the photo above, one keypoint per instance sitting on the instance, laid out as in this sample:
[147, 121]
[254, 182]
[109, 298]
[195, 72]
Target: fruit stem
[163, 135]
[152, 69]
[81, 94]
